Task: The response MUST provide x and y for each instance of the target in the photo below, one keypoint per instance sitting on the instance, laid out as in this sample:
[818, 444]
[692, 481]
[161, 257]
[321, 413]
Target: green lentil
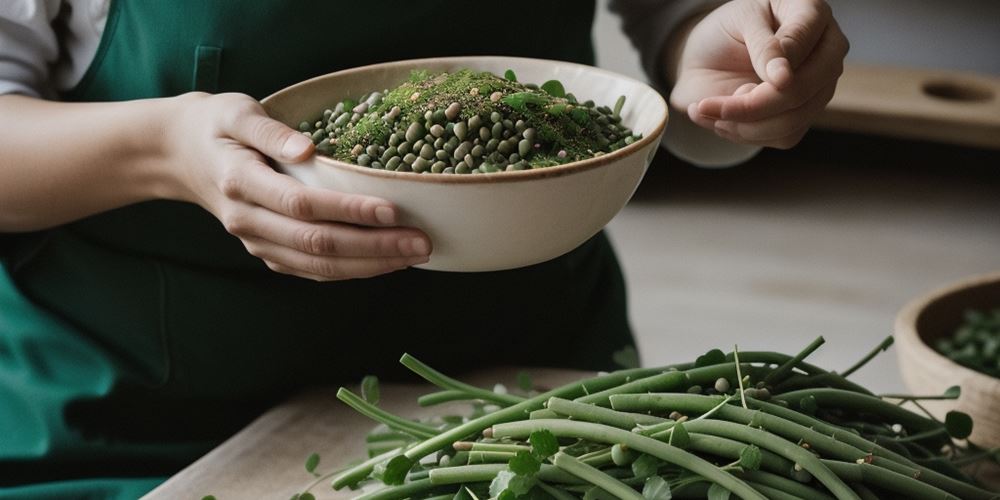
[516, 125]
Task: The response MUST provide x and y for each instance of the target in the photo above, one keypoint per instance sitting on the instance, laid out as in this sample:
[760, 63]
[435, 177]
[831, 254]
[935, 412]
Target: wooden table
[266, 459]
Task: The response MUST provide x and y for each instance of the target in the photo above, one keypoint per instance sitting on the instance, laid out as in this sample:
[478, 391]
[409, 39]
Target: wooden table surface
[266, 459]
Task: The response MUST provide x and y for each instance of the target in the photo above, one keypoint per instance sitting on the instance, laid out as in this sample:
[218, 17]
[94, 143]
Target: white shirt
[46, 46]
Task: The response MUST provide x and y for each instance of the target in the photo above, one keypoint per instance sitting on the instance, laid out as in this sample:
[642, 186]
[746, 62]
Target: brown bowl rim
[906, 321]
[515, 176]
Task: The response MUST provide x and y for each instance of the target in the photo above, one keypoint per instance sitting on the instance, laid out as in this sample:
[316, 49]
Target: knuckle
[353, 208]
[296, 204]
[327, 268]
[232, 184]
[236, 223]
[315, 241]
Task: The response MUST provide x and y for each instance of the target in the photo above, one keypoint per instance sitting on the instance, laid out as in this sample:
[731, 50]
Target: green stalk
[830, 379]
[595, 477]
[490, 457]
[445, 382]
[557, 493]
[673, 381]
[543, 413]
[784, 484]
[782, 371]
[477, 446]
[408, 490]
[355, 474]
[864, 492]
[782, 447]
[600, 415]
[610, 435]
[731, 449]
[773, 493]
[696, 403]
[520, 410]
[907, 486]
[597, 459]
[379, 415]
[446, 396]
[830, 430]
[486, 472]
[868, 357]
[863, 403]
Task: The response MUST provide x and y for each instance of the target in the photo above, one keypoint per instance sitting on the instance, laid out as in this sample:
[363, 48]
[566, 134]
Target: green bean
[886, 479]
[607, 434]
[595, 477]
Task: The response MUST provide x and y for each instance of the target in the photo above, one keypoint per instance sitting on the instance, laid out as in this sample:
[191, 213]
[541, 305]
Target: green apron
[133, 341]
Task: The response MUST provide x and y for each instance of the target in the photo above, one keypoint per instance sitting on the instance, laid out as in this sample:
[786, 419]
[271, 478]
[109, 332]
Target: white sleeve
[648, 23]
[28, 45]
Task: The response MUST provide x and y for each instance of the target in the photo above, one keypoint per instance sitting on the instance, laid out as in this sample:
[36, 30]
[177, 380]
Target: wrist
[153, 142]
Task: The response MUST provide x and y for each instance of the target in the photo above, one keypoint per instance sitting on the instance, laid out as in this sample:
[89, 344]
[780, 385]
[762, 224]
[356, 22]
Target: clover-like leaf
[524, 463]
[713, 357]
[679, 436]
[543, 443]
[958, 424]
[750, 457]
[312, 462]
[718, 492]
[554, 88]
[645, 466]
[656, 488]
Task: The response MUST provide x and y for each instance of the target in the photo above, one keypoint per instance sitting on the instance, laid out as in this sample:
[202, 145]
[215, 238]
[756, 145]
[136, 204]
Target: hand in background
[759, 71]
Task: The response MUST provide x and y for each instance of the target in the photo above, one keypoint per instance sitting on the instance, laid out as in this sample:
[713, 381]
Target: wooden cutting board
[943, 106]
[266, 459]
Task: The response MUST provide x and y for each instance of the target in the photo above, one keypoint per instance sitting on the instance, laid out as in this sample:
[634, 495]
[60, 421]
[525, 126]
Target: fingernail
[419, 246]
[779, 70]
[385, 215]
[295, 146]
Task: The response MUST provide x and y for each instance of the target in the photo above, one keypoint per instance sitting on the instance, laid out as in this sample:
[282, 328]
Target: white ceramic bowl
[494, 221]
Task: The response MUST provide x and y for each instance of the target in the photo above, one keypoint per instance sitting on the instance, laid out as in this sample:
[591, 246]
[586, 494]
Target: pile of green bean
[748, 424]
[975, 344]
[468, 123]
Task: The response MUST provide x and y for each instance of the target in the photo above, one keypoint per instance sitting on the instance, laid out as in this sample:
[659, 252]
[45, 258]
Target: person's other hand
[218, 144]
[759, 71]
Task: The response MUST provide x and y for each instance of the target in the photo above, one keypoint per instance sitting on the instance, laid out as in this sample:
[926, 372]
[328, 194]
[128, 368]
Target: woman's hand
[759, 71]
[218, 145]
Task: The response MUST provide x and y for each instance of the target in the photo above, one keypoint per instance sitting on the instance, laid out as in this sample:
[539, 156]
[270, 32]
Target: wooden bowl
[494, 221]
[936, 315]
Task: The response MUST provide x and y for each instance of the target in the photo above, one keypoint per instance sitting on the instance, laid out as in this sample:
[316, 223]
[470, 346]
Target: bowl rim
[906, 322]
[514, 176]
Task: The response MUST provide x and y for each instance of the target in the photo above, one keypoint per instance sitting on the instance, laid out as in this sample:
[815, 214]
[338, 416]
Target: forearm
[64, 161]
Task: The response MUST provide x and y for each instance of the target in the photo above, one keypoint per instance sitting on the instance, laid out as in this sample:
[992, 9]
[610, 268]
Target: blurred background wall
[941, 34]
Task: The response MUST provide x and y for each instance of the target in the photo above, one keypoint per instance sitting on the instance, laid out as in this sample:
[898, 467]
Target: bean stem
[445, 382]
[782, 371]
[610, 435]
[868, 357]
[847, 400]
[600, 415]
[886, 479]
[446, 396]
[595, 476]
[782, 447]
[379, 415]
